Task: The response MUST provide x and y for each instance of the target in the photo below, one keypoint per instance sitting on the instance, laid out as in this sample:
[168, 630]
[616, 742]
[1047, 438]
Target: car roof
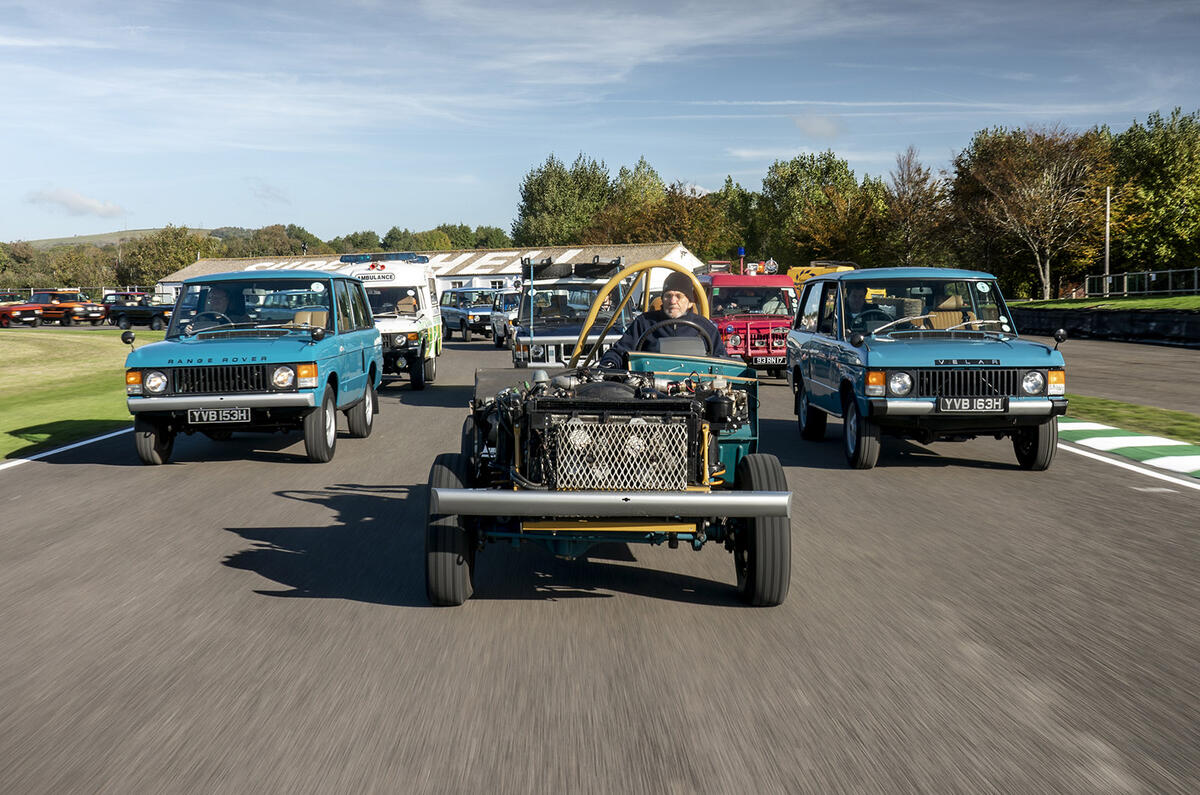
[876, 274]
[265, 275]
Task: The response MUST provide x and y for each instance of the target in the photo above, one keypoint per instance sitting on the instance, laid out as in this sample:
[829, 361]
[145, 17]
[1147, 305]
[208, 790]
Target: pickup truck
[136, 309]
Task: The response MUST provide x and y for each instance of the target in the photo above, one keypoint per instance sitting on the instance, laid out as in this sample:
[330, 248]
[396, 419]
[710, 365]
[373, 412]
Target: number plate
[768, 360]
[209, 416]
[972, 405]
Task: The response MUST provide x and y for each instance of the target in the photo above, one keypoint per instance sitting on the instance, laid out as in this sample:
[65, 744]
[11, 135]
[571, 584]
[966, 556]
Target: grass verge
[60, 385]
[1180, 425]
[1167, 302]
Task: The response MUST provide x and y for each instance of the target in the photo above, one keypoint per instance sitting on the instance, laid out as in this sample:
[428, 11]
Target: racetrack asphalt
[240, 620]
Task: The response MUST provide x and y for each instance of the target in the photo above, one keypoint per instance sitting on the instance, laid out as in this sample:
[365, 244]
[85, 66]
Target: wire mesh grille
[629, 456]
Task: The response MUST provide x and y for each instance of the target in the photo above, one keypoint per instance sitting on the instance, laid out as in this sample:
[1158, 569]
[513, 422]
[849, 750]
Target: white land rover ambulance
[403, 296]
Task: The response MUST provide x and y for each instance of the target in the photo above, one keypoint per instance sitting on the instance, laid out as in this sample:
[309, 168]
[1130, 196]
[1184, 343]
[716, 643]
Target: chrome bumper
[300, 400]
[644, 504]
[928, 407]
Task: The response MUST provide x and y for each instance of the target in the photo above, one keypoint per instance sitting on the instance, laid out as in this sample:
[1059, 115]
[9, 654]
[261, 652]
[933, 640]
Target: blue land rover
[923, 353]
[258, 351]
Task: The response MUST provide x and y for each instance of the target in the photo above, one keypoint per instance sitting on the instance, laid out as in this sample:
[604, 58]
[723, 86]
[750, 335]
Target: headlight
[537, 351]
[900, 383]
[1033, 383]
[155, 382]
[735, 339]
[729, 329]
[283, 377]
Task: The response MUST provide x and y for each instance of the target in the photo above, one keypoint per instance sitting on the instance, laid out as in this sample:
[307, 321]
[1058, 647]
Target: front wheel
[430, 368]
[157, 323]
[416, 372]
[65, 320]
[762, 552]
[5, 321]
[466, 332]
[361, 418]
[152, 441]
[446, 335]
[123, 322]
[449, 545]
[320, 429]
[860, 437]
[810, 419]
[497, 340]
[1035, 446]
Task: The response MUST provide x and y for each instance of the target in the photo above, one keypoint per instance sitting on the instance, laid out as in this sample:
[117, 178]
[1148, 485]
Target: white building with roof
[462, 268]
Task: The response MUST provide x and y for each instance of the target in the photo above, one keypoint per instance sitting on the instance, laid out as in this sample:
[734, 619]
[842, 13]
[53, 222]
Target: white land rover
[403, 296]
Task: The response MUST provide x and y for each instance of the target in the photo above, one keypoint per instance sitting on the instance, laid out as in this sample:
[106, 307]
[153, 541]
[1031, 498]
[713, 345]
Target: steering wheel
[213, 315]
[676, 321]
[874, 314]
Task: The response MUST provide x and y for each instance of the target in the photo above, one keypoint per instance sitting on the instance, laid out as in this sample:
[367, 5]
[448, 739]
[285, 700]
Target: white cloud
[818, 126]
[76, 203]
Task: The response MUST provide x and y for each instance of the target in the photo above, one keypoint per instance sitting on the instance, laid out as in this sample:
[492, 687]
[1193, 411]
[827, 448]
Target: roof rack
[387, 256]
[549, 269]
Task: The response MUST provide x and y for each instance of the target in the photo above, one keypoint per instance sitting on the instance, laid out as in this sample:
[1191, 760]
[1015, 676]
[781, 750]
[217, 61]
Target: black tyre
[430, 367]
[860, 437]
[152, 441]
[1035, 446]
[446, 335]
[5, 321]
[416, 371]
[449, 544]
[497, 340]
[810, 419]
[123, 322]
[762, 553]
[466, 332]
[361, 417]
[65, 320]
[320, 429]
[157, 323]
[37, 321]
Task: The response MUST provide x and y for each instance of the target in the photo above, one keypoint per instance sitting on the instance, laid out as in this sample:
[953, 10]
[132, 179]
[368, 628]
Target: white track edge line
[18, 461]
[1134, 468]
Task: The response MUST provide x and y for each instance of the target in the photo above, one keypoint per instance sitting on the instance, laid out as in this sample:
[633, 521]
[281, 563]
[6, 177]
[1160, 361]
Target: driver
[678, 297]
[857, 305]
[218, 309]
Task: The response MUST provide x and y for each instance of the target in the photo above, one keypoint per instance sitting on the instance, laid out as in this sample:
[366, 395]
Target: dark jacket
[615, 356]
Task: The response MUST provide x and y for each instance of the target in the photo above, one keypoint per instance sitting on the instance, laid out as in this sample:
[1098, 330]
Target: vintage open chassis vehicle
[664, 451]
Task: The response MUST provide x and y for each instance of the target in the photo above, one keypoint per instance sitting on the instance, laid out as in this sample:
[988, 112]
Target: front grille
[985, 382]
[640, 455]
[220, 379]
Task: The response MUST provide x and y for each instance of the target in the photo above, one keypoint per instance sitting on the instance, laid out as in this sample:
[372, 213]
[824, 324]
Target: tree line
[1025, 204]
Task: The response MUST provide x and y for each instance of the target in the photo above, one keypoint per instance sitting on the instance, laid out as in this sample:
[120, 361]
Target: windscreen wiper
[901, 320]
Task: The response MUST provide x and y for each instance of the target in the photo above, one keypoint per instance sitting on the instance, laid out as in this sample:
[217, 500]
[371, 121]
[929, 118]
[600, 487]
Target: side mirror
[857, 339]
[1060, 337]
[127, 337]
[318, 334]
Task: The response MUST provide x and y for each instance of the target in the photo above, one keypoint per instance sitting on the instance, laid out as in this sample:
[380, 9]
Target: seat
[950, 312]
[900, 307]
[308, 317]
[407, 304]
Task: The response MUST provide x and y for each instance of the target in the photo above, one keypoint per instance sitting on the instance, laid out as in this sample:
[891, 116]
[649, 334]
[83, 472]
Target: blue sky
[364, 114]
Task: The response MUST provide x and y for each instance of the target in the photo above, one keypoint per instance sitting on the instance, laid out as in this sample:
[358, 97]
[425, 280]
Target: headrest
[951, 303]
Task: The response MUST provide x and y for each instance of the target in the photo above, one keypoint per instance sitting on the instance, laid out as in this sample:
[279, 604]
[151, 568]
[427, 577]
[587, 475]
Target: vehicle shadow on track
[361, 555]
[446, 397]
[530, 572]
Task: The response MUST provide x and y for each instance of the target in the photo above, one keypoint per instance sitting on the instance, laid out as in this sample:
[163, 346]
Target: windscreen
[245, 303]
[393, 300]
[569, 304]
[763, 300]
[924, 304]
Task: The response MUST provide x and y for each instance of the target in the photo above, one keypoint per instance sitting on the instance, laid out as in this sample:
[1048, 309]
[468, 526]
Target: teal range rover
[921, 353]
[258, 351]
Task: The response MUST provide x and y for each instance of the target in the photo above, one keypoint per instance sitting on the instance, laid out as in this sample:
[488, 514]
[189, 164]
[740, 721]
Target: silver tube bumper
[645, 504]
[257, 401]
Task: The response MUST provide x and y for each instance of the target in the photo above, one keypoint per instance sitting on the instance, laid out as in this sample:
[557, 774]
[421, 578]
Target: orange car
[18, 311]
[67, 307]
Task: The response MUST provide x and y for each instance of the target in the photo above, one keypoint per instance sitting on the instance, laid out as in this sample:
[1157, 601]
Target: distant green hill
[104, 239]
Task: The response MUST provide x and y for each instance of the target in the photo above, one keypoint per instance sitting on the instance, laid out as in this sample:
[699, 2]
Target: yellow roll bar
[640, 269]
